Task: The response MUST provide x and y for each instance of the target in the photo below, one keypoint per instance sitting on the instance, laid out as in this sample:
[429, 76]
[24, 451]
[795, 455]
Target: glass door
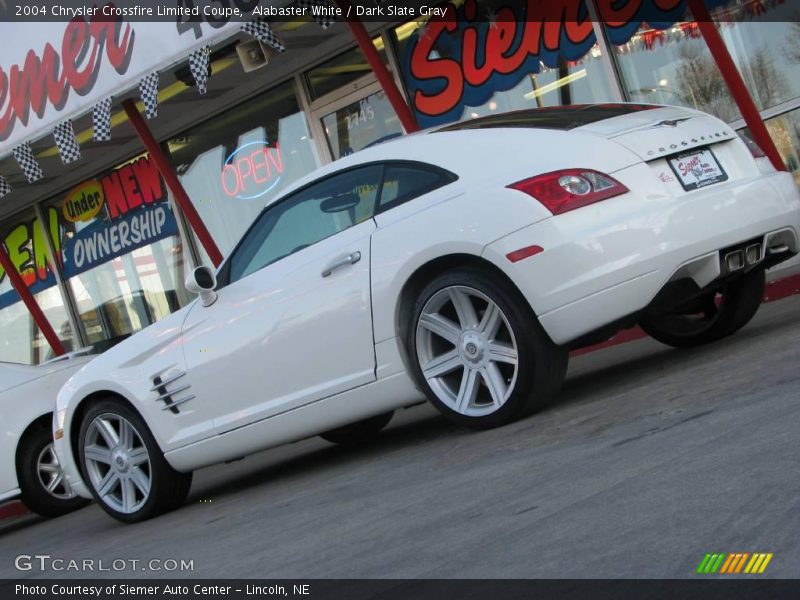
[357, 120]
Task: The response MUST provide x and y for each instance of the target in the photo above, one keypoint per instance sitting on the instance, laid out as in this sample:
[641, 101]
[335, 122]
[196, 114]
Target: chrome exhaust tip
[752, 254]
[734, 261]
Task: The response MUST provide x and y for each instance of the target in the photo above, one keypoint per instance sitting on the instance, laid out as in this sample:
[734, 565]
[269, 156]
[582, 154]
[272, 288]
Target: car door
[292, 323]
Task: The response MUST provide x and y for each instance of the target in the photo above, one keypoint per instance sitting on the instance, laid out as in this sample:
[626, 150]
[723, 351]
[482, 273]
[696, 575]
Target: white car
[29, 468]
[460, 264]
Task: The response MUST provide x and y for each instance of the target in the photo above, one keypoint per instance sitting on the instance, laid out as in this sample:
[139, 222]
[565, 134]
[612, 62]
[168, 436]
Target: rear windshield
[557, 117]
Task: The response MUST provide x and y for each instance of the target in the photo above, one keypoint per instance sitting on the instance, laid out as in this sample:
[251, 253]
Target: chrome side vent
[171, 391]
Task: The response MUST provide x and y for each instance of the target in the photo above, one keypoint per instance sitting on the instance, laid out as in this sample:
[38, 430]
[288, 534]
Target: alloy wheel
[118, 463]
[467, 351]
[51, 476]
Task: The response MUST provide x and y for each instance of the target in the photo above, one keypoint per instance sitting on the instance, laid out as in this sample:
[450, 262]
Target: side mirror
[202, 281]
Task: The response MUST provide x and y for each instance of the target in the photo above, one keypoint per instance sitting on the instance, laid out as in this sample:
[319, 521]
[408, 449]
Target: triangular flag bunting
[325, 18]
[198, 65]
[261, 31]
[101, 120]
[148, 88]
[28, 163]
[5, 187]
[66, 142]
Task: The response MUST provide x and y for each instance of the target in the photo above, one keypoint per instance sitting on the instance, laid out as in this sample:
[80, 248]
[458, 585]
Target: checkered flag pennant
[101, 120]
[148, 89]
[66, 142]
[28, 163]
[198, 65]
[261, 31]
[5, 187]
[324, 18]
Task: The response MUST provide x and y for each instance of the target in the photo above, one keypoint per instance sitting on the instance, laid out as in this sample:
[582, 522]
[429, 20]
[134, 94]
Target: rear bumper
[608, 260]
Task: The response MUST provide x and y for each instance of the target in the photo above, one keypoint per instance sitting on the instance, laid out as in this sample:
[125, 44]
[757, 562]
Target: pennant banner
[323, 15]
[198, 65]
[101, 120]
[148, 88]
[28, 163]
[5, 187]
[67, 144]
[261, 31]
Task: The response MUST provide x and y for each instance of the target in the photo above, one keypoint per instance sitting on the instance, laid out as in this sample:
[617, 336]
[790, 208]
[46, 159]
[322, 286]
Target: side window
[305, 218]
[403, 182]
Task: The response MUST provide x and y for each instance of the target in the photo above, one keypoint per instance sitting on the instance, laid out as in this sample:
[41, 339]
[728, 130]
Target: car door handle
[342, 261]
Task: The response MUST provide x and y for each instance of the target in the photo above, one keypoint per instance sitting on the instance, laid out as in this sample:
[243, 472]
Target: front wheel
[360, 432]
[478, 351]
[44, 488]
[710, 317]
[124, 467]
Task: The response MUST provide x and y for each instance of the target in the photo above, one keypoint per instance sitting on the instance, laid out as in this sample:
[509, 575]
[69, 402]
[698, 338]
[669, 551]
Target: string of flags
[199, 66]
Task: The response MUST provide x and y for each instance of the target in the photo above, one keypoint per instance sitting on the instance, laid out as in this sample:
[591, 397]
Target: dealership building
[135, 165]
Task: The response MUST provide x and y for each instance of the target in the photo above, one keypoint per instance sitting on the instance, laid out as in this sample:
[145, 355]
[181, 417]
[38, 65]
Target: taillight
[568, 189]
[754, 148]
[760, 157]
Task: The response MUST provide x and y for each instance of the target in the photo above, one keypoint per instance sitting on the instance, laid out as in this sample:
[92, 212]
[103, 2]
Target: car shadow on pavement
[322, 458]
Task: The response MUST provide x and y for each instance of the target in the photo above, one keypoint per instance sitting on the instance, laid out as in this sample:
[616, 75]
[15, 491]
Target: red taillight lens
[754, 148]
[568, 189]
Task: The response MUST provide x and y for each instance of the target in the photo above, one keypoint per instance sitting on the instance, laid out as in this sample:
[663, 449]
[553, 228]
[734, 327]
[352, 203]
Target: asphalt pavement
[649, 459]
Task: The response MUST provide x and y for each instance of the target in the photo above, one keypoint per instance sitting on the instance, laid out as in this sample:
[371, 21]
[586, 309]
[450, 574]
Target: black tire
[360, 432]
[726, 312]
[540, 364]
[168, 488]
[34, 446]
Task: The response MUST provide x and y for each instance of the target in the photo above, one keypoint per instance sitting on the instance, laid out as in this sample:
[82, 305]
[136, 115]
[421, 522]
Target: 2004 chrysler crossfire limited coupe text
[461, 263]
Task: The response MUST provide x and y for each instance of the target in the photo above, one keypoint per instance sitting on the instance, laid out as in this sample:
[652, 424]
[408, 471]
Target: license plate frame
[706, 161]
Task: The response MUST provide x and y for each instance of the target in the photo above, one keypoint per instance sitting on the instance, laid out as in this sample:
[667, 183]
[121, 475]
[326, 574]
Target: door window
[403, 182]
[307, 217]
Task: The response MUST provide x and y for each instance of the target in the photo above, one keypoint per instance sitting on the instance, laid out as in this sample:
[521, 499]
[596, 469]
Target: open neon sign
[251, 170]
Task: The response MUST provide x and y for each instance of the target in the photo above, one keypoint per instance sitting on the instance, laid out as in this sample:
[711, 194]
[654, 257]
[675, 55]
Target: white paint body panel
[285, 354]
[27, 393]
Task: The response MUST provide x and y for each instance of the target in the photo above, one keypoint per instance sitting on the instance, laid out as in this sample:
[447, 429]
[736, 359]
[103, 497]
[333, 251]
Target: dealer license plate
[697, 168]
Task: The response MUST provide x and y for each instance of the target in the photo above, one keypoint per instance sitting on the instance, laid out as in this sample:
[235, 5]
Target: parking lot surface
[649, 459]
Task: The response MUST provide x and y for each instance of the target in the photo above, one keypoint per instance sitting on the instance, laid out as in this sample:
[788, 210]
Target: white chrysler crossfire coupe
[29, 468]
[461, 264]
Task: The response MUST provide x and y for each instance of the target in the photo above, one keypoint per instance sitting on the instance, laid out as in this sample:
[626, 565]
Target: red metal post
[381, 72]
[171, 178]
[30, 302]
[735, 82]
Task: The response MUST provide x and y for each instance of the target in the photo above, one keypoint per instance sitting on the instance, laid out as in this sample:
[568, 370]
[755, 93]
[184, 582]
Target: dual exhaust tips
[749, 256]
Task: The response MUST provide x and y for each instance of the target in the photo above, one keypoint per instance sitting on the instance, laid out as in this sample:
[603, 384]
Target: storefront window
[21, 340]
[362, 123]
[674, 65]
[337, 72]
[121, 253]
[785, 132]
[234, 164]
[474, 70]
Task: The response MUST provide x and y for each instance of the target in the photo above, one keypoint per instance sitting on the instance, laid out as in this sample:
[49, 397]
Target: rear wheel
[359, 432]
[711, 317]
[44, 488]
[479, 352]
[124, 467]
